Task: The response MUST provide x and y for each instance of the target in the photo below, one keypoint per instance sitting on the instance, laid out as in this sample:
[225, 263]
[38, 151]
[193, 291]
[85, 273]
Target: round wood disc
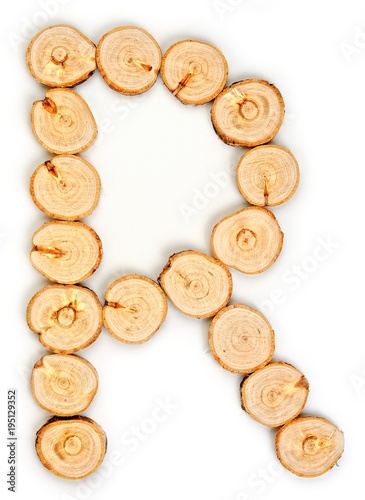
[195, 72]
[66, 252]
[64, 384]
[63, 122]
[268, 175]
[61, 56]
[249, 240]
[196, 284]
[129, 59]
[67, 318]
[66, 187]
[274, 394]
[309, 446]
[241, 339]
[72, 448]
[135, 307]
[248, 113]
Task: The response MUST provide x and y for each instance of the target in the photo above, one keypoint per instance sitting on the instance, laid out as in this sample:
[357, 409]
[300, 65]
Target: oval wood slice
[241, 339]
[129, 59]
[196, 284]
[66, 187]
[249, 240]
[61, 56]
[135, 308]
[67, 318]
[309, 446]
[248, 113]
[66, 252]
[64, 384]
[72, 448]
[268, 175]
[63, 122]
[274, 394]
[195, 72]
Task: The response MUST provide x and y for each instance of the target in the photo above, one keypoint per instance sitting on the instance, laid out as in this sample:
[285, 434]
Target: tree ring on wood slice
[66, 252]
[274, 394]
[72, 448]
[195, 72]
[135, 308]
[61, 56]
[249, 240]
[129, 59]
[268, 175]
[196, 284]
[63, 122]
[67, 318]
[248, 113]
[309, 446]
[64, 384]
[66, 187]
[241, 339]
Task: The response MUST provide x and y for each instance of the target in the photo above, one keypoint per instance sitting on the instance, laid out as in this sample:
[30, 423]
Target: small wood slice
[129, 59]
[135, 308]
[72, 448]
[63, 122]
[66, 252]
[268, 175]
[61, 56]
[67, 318]
[248, 113]
[195, 72]
[249, 240]
[64, 384]
[196, 284]
[309, 446]
[241, 339]
[274, 394]
[65, 187]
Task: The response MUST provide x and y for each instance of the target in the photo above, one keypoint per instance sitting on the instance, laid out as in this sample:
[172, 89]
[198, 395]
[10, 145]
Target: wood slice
[61, 56]
[63, 122]
[66, 187]
[72, 448]
[268, 175]
[196, 284]
[66, 252]
[309, 446]
[241, 339]
[249, 240]
[135, 308]
[195, 72]
[129, 59]
[248, 113]
[67, 318]
[64, 384]
[274, 394]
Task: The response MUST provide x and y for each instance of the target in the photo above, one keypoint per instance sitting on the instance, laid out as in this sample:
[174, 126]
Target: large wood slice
[67, 318]
[309, 446]
[274, 394]
[196, 284]
[249, 240]
[135, 308]
[72, 448]
[63, 384]
[129, 59]
[195, 72]
[241, 339]
[66, 252]
[248, 113]
[61, 56]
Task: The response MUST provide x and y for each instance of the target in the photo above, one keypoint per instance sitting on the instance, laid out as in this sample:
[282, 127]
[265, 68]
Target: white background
[154, 155]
